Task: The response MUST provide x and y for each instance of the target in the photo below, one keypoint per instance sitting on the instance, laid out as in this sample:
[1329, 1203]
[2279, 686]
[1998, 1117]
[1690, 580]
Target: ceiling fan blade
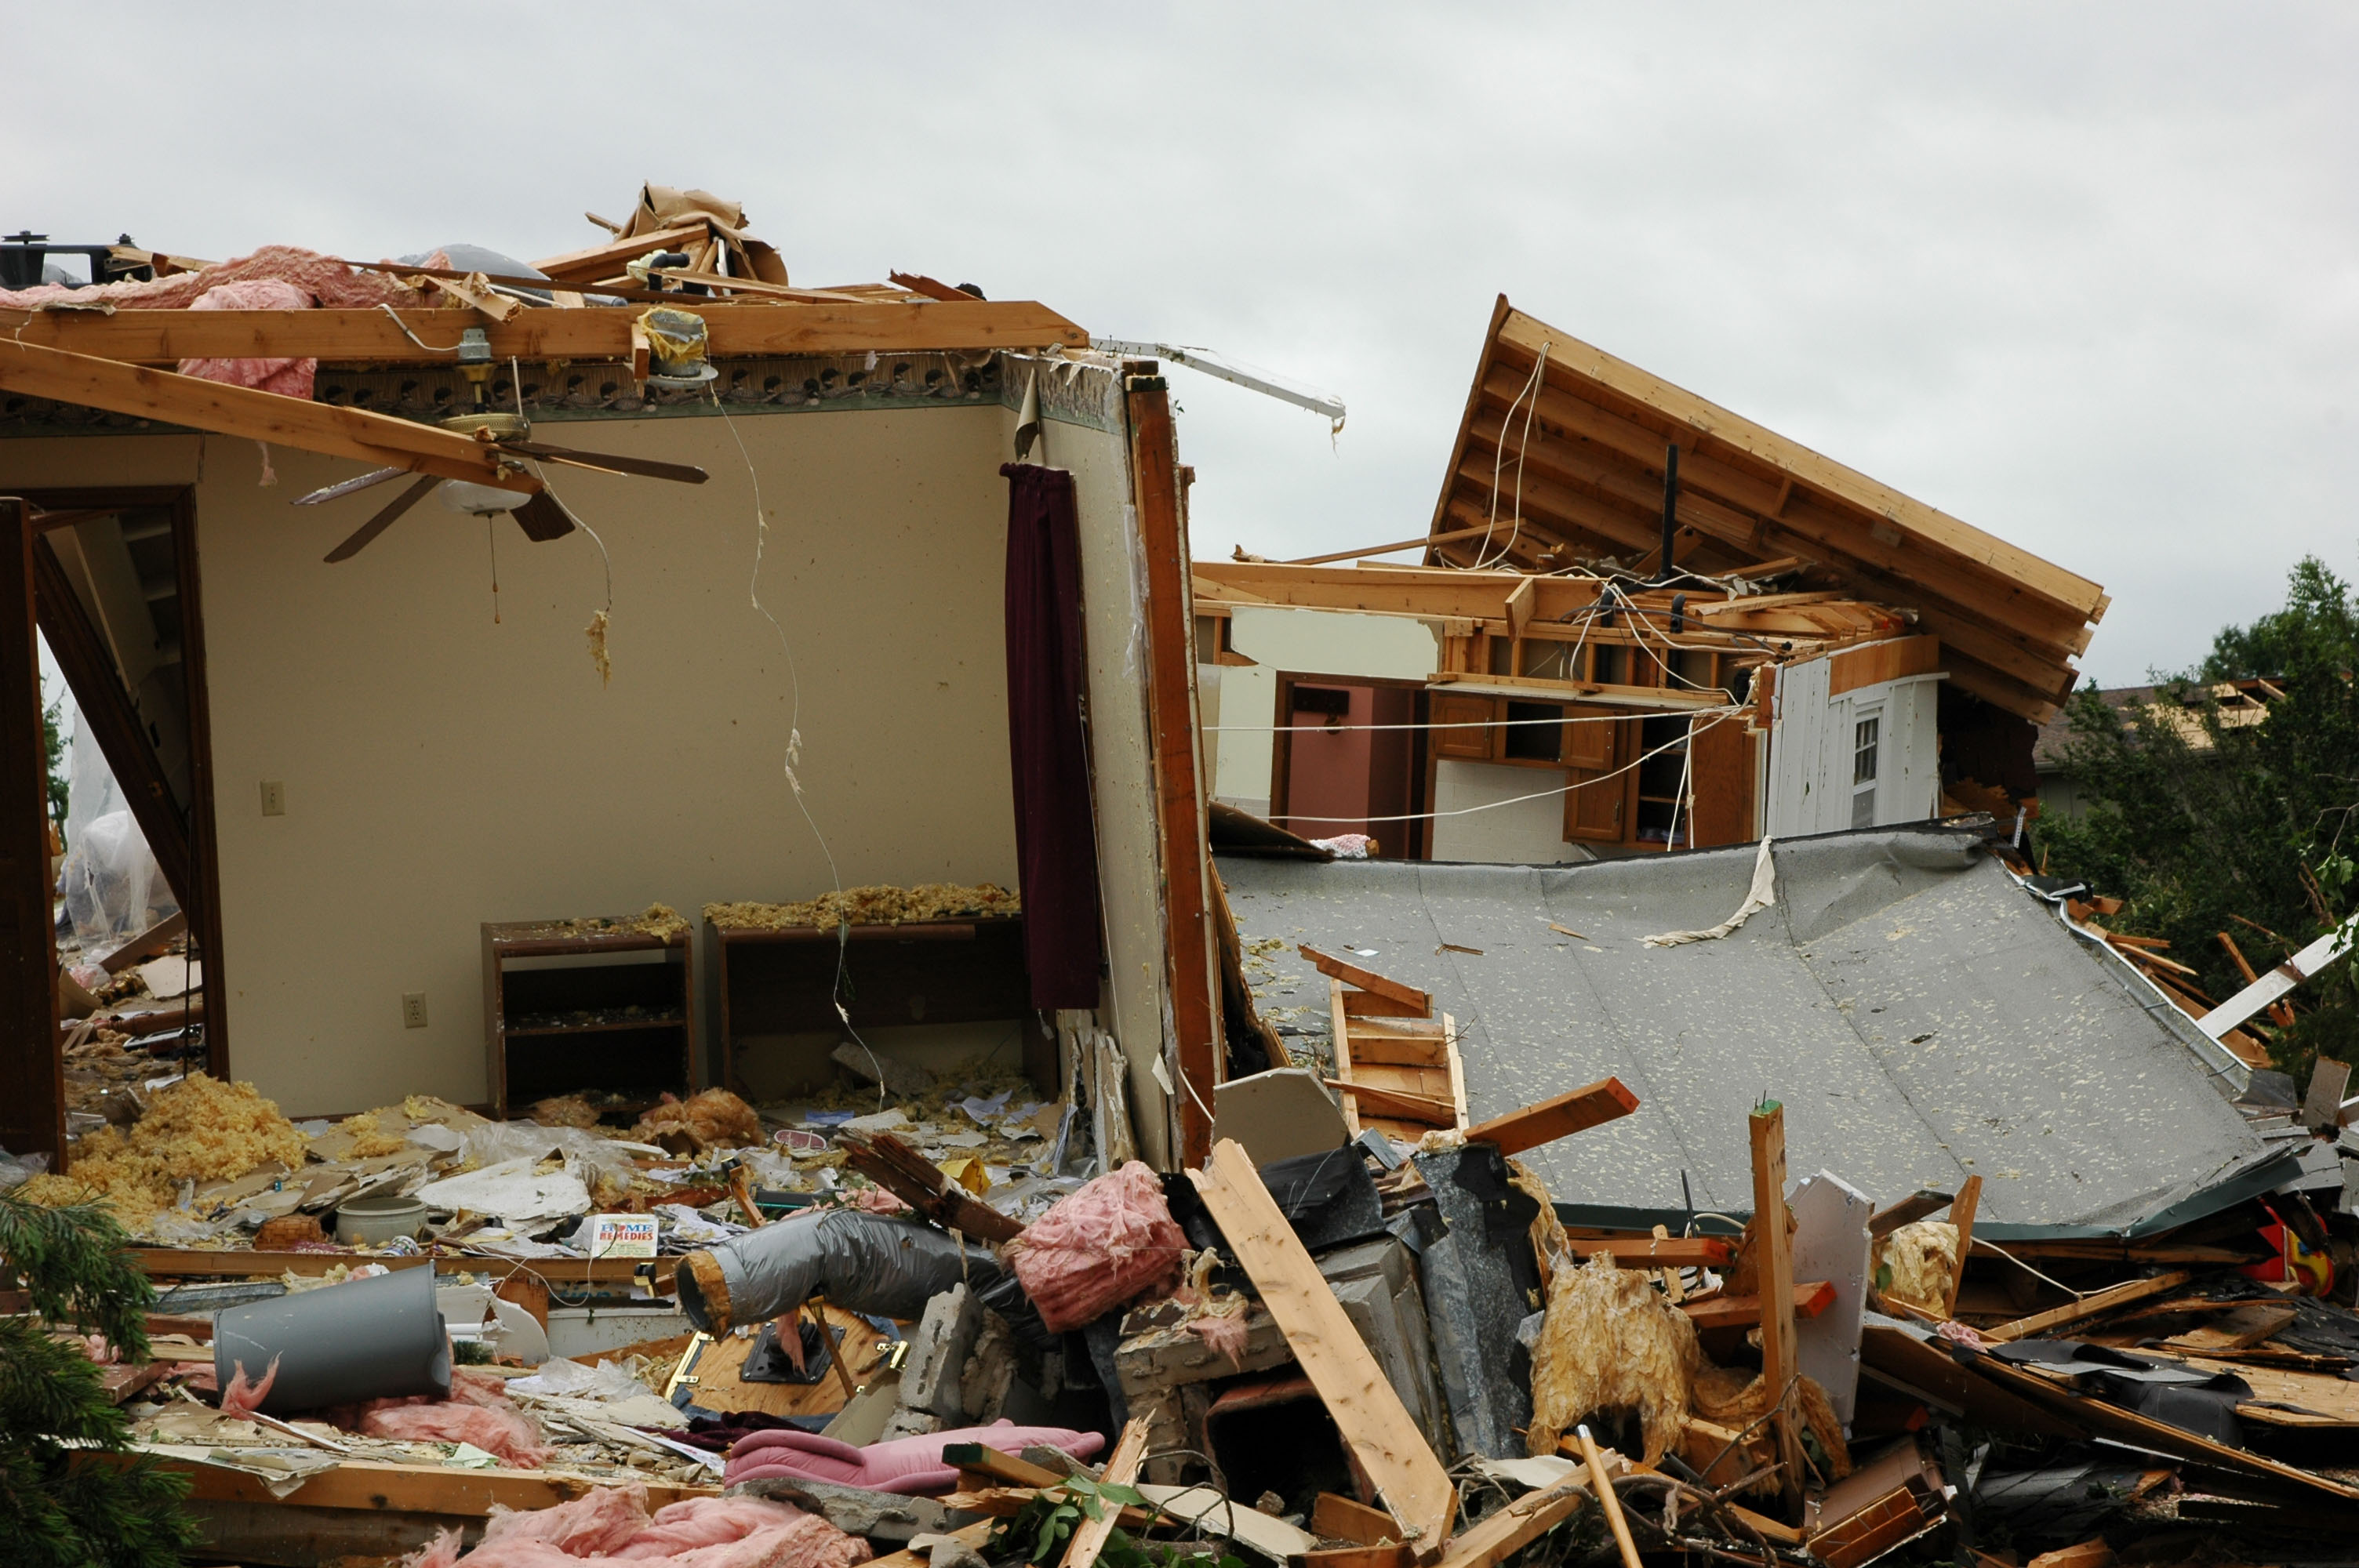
[646, 468]
[383, 520]
[543, 518]
[349, 486]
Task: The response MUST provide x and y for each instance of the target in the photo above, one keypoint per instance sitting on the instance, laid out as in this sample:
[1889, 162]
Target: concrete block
[939, 1352]
[989, 1372]
[907, 1422]
[1160, 1358]
[1831, 1242]
[1279, 1114]
[1376, 1283]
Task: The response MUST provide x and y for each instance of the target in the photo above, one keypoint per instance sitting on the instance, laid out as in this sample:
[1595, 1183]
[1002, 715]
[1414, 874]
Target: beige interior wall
[443, 769]
[1302, 641]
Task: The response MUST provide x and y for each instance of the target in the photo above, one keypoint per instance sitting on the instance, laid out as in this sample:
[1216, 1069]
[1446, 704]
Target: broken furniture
[587, 1004]
[778, 982]
[1397, 1065]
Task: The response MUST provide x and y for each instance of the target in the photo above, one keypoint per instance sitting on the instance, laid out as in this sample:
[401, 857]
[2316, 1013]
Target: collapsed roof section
[1922, 1017]
[1560, 457]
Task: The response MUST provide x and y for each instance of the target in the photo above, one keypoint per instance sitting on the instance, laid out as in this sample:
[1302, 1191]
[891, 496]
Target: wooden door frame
[204, 861]
[32, 1066]
[1421, 762]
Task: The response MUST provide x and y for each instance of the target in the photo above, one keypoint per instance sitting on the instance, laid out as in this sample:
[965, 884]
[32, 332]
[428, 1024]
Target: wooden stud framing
[1775, 1247]
[1192, 964]
[1551, 1120]
[1961, 1215]
[1090, 1536]
[372, 336]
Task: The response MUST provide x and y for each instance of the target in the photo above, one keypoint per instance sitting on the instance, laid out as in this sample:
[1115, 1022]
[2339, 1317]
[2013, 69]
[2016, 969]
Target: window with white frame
[1866, 733]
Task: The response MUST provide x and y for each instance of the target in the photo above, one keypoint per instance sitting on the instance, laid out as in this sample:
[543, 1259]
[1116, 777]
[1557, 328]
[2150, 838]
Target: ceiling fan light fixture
[481, 500]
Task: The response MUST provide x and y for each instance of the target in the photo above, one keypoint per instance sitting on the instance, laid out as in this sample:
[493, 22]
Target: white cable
[1499, 461]
[1491, 805]
[1465, 724]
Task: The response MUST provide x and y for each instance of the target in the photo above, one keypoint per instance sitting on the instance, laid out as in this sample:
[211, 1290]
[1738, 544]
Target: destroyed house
[1642, 623]
[687, 590]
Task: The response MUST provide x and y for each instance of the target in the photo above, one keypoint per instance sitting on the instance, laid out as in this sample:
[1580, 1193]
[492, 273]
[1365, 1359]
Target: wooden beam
[1775, 1244]
[105, 705]
[1654, 1252]
[1908, 1211]
[1805, 1299]
[1583, 366]
[989, 1465]
[920, 1182]
[733, 330]
[409, 1488]
[1368, 980]
[178, 1263]
[1367, 550]
[227, 410]
[1574, 1111]
[2095, 1304]
[1192, 965]
[1398, 1102]
[1090, 1535]
[594, 262]
[1369, 1415]
[147, 943]
[1961, 1215]
[32, 1074]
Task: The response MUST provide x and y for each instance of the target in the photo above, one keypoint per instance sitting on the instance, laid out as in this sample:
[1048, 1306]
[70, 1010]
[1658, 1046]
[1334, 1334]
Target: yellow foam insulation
[1922, 1258]
[1735, 1397]
[197, 1129]
[1611, 1342]
[713, 1120]
[1550, 1243]
[368, 1140]
[564, 1111]
[868, 906]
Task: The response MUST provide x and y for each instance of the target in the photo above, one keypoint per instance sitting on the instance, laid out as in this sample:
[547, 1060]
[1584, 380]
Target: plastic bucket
[364, 1339]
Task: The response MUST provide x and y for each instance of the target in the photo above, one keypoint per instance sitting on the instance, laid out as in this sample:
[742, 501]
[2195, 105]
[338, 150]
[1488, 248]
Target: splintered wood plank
[1457, 1070]
[1961, 1215]
[1368, 1004]
[1341, 1022]
[1775, 1243]
[1551, 1120]
[1368, 980]
[1417, 1107]
[1122, 1466]
[2240, 1329]
[1517, 1526]
[2088, 1306]
[1810, 1299]
[1396, 1050]
[1657, 1252]
[1377, 1428]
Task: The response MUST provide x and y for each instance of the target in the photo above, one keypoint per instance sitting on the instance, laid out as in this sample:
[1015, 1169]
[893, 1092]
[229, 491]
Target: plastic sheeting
[112, 887]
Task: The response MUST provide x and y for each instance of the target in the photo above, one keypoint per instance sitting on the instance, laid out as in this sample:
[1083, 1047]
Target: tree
[2247, 829]
[53, 754]
[65, 1506]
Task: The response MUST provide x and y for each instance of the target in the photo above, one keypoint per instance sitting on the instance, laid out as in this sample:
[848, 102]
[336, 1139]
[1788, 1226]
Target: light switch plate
[273, 797]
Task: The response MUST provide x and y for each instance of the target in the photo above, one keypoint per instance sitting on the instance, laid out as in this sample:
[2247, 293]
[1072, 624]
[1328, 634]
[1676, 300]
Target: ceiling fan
[541, 516]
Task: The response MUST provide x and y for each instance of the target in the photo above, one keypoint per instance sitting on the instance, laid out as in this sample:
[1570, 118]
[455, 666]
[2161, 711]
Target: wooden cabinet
[779, 986]
[572, 1005]
[1589, 738]
[1467, 745]
[1597, 806]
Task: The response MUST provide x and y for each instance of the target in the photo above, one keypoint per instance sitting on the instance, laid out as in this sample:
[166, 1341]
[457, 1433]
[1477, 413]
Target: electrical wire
[1498, 460]
[795, 744]
[405, 332]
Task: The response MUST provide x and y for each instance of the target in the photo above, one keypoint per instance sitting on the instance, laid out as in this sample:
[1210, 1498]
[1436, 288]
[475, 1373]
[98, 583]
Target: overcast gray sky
[2080, 274]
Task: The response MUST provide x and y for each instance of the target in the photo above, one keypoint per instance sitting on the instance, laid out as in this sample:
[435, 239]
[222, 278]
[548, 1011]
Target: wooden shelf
[546, 968]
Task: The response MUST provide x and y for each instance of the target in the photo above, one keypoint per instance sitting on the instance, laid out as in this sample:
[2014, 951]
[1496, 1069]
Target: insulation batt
[909, 1465]
[290, 378]
[1733, 1396]
[478, 1412]
[1923, 1259]
[1111, 1242]
[714, 1120]
[1611, 1342]
[611, 1524]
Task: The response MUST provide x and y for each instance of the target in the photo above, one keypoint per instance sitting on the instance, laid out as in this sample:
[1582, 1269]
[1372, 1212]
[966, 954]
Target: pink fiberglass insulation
[325, 281]
[290, 378]
[478, 1412]
[1109, 1243]
[242, 1397]
[909, 1465]
[611, 1524]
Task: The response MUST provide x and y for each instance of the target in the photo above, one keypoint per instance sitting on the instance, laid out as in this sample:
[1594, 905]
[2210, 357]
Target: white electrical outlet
[274, 799]
[413, 1010]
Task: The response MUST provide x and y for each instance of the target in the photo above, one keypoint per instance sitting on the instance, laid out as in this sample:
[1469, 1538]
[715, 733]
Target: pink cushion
[906, 1464]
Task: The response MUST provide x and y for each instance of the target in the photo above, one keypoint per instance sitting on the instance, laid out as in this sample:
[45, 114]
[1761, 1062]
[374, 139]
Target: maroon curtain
[1055, 841]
